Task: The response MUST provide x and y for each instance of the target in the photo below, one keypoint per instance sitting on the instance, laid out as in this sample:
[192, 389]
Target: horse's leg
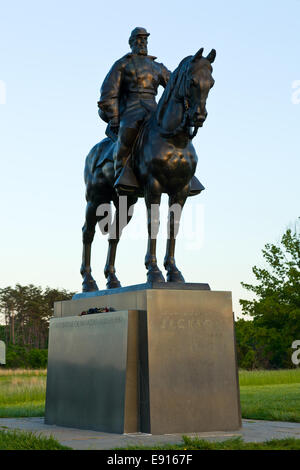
[176, 203]
[152, 200]
[88, 232]
[109, 270]
[114, 238]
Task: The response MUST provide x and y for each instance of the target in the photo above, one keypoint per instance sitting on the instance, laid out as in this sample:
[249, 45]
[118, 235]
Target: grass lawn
[229, 444]
[19, 440]
[271, 402]
[269, 377]
[271, 395]
[22, 393]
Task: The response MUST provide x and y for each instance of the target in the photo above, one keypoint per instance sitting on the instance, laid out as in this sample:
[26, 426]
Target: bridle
[186, 109]
[186, 104]
[182, 125]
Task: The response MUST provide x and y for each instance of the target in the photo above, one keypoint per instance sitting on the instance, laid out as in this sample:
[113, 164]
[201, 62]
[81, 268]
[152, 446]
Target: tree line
[26, 311]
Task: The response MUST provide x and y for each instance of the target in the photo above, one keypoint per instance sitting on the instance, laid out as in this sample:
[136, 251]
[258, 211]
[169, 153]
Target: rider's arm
[164, 75]
[109, 94]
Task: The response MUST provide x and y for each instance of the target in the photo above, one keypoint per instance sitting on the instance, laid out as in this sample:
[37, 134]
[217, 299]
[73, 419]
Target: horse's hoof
[113, 282]
[89, 286]
[175, 276]
[155, 276]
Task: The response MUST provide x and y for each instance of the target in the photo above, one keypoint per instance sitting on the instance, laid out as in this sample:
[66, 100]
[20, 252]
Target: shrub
[21, 357]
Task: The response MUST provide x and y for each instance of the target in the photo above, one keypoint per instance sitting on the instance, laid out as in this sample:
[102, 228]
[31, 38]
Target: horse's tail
[97, 156]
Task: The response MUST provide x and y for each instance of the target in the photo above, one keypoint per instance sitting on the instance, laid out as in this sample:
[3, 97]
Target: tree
[276, 308]
[27, 310]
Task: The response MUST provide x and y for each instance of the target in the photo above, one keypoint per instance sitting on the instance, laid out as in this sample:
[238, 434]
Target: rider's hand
[114, 124]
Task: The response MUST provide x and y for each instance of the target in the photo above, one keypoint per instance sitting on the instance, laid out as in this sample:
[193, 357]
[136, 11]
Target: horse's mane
[177, 85]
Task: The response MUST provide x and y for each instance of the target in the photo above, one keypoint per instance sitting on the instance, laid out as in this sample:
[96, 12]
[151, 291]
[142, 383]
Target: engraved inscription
[85, 322]
[185, 320]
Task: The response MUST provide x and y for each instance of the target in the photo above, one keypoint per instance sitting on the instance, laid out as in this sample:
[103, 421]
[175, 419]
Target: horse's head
[189, 86]
[199, 81]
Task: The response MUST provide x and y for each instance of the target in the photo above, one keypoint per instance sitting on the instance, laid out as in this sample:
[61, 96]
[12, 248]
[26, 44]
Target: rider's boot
[118, 167]
[120, 156]
[128, 184]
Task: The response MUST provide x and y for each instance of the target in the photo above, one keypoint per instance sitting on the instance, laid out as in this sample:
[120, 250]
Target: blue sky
[53, 59]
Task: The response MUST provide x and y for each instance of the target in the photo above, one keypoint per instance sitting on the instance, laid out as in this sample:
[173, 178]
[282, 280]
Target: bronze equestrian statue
[148, 152]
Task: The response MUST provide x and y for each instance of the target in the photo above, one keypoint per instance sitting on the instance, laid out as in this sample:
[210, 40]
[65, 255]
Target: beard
[140, 50]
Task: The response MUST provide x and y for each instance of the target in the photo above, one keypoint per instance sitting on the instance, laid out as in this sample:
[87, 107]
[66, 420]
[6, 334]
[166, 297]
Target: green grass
[271, 402]
[269, 377]
[228, 444]
[270, 394]
[22, 393]
[19, 440]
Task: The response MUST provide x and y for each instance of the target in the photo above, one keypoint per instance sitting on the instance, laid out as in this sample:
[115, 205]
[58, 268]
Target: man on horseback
[128, 93]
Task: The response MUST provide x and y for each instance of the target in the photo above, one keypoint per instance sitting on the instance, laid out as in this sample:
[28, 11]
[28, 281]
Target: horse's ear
[198, 55]
[211, 56]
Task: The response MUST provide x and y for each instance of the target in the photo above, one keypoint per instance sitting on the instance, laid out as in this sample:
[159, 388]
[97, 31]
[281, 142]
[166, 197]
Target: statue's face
[139, 45]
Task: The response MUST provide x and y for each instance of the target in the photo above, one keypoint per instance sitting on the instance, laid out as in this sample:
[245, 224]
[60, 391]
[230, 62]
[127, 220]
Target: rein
[186, 107]
[182, 125]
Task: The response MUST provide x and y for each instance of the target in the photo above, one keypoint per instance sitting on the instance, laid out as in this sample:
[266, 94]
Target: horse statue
[163, 160]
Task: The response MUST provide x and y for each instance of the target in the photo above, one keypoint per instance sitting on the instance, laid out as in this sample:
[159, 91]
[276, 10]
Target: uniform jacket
[132, 78]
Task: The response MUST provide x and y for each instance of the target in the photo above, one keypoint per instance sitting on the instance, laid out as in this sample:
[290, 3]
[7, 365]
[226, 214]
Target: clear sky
[54, 56]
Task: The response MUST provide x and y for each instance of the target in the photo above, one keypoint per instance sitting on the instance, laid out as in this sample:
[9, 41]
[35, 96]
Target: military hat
[138, 32]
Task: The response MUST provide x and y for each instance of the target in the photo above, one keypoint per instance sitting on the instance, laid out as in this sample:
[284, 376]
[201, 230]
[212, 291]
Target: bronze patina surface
[148, 152]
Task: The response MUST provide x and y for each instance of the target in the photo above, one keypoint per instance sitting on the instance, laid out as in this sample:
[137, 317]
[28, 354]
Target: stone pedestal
[164, 362]
[92, 378]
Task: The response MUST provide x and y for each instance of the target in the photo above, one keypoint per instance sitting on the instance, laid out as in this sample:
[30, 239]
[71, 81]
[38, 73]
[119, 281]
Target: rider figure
[128, 94]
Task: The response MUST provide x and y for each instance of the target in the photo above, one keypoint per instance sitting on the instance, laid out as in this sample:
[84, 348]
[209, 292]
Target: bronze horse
[163, 161]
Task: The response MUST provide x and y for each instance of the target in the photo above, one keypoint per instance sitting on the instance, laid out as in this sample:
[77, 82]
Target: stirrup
[196, 187]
